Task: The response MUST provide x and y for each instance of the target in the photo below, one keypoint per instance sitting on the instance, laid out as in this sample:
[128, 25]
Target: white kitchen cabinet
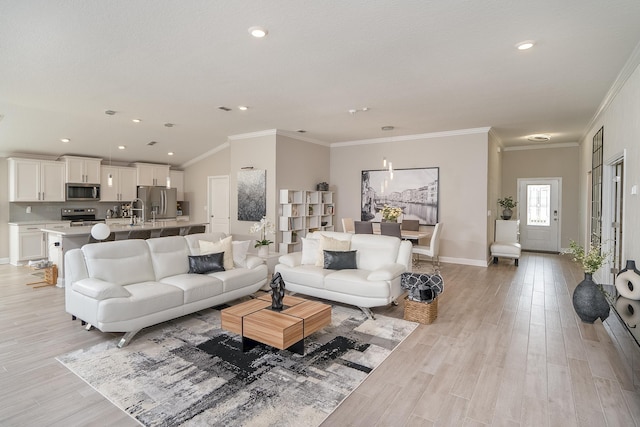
[177, 182]
[82, 169]
[124, 184]
[149, 174]
[32, 180]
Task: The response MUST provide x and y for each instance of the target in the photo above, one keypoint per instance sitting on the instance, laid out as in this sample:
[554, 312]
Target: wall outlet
[28, 209]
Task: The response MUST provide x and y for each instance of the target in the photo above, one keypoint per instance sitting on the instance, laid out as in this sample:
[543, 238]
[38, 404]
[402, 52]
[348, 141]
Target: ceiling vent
[152, 143]
[223, 108]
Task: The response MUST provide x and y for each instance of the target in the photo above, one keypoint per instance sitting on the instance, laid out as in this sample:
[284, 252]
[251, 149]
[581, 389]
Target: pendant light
[169, 125]
[110, 175]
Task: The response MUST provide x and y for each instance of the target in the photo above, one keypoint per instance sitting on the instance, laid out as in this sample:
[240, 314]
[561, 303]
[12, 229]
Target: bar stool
[195, 229]
[170, 231]
[139, 234]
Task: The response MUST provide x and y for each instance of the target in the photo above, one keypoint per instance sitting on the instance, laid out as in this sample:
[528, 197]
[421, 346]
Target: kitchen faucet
[138, 209]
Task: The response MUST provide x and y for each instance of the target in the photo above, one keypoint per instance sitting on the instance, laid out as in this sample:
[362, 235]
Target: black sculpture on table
[277, 292]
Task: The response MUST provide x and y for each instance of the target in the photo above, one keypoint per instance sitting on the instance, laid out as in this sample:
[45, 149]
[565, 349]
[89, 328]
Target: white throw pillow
[240, 249]
[224, 245]
[309, 251]
[330, 244]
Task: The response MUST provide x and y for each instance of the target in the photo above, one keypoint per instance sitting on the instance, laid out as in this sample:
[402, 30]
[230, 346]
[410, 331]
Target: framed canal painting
[415, 191]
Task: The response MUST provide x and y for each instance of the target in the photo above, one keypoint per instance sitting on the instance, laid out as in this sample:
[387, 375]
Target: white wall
[463, 162]
[4, 210]
[621, 121]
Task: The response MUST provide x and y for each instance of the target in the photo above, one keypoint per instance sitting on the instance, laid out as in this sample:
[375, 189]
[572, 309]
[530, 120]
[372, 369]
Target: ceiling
[420, 66]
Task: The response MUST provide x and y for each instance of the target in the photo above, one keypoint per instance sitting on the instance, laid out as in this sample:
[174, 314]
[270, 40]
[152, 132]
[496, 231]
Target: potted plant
[589, 298]
[507, 204]
[390, 213]
[263, 227]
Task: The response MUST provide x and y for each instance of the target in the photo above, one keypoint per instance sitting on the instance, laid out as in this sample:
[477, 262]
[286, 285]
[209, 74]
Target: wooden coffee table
[285, 329]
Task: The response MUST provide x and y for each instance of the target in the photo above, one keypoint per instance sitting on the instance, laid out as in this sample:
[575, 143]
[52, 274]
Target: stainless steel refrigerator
[160, 200]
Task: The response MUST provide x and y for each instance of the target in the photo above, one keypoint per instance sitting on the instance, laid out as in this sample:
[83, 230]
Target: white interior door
[539, 213]
[218, 204]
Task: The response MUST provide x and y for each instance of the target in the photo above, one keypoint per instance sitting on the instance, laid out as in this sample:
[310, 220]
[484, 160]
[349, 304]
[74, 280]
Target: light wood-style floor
[505, 350]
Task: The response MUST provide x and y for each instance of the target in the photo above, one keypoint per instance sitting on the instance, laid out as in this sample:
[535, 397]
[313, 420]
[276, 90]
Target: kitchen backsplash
[51, 211]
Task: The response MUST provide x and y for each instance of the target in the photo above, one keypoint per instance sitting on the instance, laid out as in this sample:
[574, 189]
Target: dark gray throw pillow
[340, 260]
[210, 263]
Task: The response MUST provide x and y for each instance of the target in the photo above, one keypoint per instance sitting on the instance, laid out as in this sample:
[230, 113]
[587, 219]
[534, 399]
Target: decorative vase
[263, 251]
[589, 301]
[628, 281]
[506, 213]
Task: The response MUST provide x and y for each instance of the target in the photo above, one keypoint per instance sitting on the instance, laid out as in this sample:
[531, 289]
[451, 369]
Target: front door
[539, 213]
[218, 204]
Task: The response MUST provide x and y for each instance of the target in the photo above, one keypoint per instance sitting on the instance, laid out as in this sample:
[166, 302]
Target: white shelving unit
[303, 212]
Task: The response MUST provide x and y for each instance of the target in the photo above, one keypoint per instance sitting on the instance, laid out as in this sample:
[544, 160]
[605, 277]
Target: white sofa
[380, 262]
[127, 285]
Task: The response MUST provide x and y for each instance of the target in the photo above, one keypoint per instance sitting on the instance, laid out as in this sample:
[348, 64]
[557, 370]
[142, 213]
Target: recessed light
[540, 137]
[223, 108]
[169, 125]
[170, 153]
[121, 147]
[387, 128]
[151, 143]
[65, 140]
[243, 108]
[301, 131]
[136, 120]
[527, 44]
[110, 112]
[258, 32]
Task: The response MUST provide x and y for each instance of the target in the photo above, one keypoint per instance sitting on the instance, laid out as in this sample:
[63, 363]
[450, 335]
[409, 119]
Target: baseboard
[4, 260]
[464, 261]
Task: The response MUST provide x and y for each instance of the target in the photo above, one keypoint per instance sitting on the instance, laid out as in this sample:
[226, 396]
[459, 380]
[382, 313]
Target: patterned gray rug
[190, 372]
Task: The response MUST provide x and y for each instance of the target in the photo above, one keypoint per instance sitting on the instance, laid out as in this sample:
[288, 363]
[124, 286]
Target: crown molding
[205, 155]
[473, 131]
[300, 137]
[268, 132]
[494, 135]
[629, 68]
[542, 147]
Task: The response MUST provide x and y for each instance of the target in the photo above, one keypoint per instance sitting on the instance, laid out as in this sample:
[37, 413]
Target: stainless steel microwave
[83, 192]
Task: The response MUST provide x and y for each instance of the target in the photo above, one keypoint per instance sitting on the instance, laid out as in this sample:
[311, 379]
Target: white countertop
[42, 221]
[116, 228]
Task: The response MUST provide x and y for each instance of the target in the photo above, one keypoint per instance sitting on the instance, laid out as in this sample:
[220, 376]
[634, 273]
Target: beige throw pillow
[330, 244]
[224, 245]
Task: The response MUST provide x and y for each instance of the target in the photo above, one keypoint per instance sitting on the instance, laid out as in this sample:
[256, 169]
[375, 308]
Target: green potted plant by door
[589, 298]
[263, 227]
[507, 204]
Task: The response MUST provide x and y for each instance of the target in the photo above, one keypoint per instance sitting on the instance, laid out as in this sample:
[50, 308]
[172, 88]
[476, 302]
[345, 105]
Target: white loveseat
[380, 262]
[127, 285]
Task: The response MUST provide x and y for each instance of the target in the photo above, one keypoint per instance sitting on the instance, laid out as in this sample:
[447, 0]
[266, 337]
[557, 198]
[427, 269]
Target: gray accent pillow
[340, 260]
[210, 263]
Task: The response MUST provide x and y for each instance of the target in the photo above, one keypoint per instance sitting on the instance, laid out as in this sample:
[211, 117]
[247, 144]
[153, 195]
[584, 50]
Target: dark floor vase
[589, 301]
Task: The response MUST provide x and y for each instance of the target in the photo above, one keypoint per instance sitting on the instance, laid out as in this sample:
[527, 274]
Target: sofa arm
[387, 272]
[253, 261]
[293, 259]
[99, 289]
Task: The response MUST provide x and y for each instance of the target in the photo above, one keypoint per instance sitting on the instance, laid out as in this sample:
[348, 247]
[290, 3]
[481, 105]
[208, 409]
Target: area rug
[190, 372]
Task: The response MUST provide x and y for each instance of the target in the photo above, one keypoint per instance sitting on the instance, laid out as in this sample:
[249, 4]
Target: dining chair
[348, 225]
[170, 231]
[410, 224]
[433, 249]
[363, 227]
[390, 229]
[139, 234]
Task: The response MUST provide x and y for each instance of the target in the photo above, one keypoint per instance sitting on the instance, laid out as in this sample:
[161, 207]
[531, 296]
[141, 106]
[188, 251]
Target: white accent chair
[506, 243]
[433, 249]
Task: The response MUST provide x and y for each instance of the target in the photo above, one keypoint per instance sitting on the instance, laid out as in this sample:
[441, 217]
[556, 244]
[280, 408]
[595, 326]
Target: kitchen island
[62, 240]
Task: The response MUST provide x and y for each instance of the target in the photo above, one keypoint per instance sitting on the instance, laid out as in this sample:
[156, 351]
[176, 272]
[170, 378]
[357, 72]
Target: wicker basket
[51, 274]
[421, 312]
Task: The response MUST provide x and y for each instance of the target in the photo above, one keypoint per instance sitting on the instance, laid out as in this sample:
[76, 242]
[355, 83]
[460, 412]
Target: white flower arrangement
[391, 213]
[263, 227]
